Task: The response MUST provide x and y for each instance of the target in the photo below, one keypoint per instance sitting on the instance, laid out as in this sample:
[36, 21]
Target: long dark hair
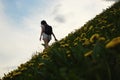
[43, 22]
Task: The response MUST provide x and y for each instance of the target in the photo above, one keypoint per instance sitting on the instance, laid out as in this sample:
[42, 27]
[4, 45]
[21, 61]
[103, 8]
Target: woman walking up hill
[46, 32]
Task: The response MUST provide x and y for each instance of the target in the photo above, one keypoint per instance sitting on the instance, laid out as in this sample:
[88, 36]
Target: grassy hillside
[90, 53]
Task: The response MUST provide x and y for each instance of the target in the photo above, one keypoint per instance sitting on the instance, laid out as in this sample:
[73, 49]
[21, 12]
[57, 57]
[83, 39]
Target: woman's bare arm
[54, 37]
[42, 30]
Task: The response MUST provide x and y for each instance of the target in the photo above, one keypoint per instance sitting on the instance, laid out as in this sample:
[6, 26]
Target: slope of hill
[89, 53]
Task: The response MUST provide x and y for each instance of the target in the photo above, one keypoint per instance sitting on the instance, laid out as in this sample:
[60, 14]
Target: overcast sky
[20, 25]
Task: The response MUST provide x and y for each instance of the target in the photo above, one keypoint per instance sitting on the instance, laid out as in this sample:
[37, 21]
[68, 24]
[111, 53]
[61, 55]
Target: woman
[46, 32]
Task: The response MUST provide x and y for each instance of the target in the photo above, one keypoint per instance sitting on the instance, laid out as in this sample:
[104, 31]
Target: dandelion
[83, 35]
[23, 68]
[113, 43]
[17, 73]
[44, 56]
[75, 44]
[31, 64]
[45, 52]
[76, 39]
[90, 28]
[85, 28]
[68, 55]
[102, 27]
[109, 25]
[104, 21]
[113, 30]
[88, 53]
[65, 45]
[61, 42]
[41, 64]
[94, 37]
[68, 52]
[83, 39]
[87, 42]
[102, 39]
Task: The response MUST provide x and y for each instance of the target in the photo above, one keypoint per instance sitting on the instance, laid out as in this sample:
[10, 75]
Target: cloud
[60, 18]
[17, 42]
[69, 15]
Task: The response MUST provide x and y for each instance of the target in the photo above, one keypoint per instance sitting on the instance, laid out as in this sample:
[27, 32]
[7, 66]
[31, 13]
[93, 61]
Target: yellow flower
[23, 69]
[68, 55]
[85, 29]
[64, 45]
[113, 43]
[68, 52]
[45, 52]
[87, 42]
[31, 64]
[104, 21]
[109, 25]
[113, 30]
[41, 64]
[83, 35]
[88, 53]
[75, 44]
[102, 39]
[17, 73]
[83, 39]
[76, 39]
[90, 27]
[94, 37]
[102, 27]
[61, 42]
[44, 56]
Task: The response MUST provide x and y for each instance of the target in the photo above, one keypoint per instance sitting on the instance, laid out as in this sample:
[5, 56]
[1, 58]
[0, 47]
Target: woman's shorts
[45, 36]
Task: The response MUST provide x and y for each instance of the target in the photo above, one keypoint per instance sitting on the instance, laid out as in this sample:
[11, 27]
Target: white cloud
[3, 34]
[69, 15]
[16, 45]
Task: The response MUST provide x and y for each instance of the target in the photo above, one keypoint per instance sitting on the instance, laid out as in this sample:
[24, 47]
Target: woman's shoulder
[43, 26]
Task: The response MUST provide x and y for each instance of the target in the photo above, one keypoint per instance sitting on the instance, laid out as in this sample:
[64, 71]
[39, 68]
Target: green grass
[89, 53]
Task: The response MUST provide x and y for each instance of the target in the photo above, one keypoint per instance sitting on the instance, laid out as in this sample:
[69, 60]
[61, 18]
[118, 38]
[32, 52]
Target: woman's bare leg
[46, 43]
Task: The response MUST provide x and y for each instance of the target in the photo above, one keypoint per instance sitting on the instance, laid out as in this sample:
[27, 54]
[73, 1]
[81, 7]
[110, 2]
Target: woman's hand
[56, 39]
